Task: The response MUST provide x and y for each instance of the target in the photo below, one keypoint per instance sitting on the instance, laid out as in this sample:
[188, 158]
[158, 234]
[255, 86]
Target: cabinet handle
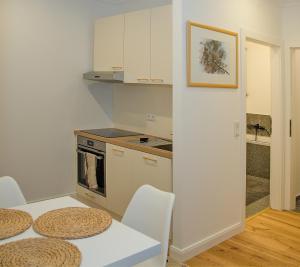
[143, 80]
[119, 151]
[117, 68]
[157, 80]
[150, 159]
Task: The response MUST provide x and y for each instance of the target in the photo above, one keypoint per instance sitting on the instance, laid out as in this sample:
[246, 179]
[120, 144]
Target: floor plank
[271, 239]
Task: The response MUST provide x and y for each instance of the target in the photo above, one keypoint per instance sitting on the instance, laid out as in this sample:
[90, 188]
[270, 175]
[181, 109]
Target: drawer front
[91, 196]
[153, 170]
[127, 170]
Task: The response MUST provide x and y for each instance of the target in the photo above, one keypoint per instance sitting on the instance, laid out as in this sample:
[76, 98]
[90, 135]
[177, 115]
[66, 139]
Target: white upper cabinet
[137, 47]
[161, 45]
[140, 43]
[109, 44]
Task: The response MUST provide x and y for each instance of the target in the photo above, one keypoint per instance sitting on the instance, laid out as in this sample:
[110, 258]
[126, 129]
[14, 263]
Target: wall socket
[150, 117]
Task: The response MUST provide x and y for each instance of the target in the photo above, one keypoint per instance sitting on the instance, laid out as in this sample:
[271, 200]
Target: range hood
[107, 76]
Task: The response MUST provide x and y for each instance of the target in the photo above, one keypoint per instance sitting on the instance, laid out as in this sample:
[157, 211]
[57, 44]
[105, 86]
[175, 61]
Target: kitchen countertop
[124, 142]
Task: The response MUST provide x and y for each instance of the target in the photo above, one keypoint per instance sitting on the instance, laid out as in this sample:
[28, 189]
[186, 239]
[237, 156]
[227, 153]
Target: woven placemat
[33, 252]
[13, 222]
[72, 223]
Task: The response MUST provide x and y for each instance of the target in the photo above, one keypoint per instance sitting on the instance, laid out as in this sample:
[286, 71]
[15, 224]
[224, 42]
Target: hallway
[271, 238]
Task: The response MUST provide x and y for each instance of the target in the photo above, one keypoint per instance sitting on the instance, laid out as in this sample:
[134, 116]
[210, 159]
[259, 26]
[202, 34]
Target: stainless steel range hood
[107, 76]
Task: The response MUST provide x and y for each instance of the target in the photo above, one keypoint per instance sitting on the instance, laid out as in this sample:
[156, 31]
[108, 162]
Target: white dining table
[118, 246]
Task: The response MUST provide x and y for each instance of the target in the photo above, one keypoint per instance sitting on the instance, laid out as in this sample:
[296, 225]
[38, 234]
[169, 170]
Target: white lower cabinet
[127, 170]
[118, 175]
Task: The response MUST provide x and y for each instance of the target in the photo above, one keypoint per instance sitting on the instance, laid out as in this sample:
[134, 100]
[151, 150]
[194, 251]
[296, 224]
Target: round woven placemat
[33, 252]
[13, 222]
[72, 223]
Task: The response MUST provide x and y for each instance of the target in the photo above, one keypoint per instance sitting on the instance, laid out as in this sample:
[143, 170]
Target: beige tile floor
[257, 206]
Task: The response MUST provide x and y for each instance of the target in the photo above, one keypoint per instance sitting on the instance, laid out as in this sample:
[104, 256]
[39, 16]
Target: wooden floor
[271, 239]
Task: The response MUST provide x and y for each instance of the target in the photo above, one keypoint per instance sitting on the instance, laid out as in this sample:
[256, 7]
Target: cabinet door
[119, 185]
[127, 170]
[109, 44]
[137, 47]
[161, 45]
[152, 170]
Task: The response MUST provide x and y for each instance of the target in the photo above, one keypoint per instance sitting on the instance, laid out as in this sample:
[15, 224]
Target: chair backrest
[150, 212]
[10, 193]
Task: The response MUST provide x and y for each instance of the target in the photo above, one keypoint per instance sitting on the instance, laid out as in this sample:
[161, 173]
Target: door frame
[277, 111]
[290, 195]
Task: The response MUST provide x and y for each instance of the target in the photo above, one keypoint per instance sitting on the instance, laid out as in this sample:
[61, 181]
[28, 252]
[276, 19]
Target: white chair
[10, 193]
[150, 212]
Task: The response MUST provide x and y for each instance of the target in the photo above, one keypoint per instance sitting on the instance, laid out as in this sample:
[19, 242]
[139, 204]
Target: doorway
[295, 128]
[258, 126]
[276, 124]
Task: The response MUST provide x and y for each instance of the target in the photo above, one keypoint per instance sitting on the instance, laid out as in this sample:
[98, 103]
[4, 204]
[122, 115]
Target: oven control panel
[95, 144]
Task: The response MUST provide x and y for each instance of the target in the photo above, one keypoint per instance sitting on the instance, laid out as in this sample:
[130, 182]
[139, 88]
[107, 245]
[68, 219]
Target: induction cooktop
[111, 132]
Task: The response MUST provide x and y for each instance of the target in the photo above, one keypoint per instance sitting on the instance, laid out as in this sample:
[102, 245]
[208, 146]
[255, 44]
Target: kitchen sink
[153, 142]
[168, 147]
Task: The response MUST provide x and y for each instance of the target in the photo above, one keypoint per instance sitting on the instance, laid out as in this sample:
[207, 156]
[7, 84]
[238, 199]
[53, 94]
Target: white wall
[1, 65]
[296, 122]
[209, 177]
[258, 78]
[46, 47]
[113, 7]
[131, 103]
[291, 20]
[291, 37]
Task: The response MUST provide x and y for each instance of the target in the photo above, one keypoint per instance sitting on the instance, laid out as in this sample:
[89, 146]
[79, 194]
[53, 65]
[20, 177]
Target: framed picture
[212, 57]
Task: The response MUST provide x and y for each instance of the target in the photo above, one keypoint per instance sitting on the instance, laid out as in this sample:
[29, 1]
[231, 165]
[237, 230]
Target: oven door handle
[94, 151]
[83, 153]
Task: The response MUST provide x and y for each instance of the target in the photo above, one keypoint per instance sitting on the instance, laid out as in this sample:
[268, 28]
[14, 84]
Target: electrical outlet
[150, 117]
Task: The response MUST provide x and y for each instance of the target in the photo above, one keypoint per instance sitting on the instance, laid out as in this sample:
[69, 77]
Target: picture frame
[212, 57]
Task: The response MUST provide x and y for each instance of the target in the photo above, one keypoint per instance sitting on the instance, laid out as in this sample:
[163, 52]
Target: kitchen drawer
[91, 196]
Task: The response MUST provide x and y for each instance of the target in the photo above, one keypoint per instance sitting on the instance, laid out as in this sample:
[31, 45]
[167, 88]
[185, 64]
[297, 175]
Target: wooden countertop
[124, 142]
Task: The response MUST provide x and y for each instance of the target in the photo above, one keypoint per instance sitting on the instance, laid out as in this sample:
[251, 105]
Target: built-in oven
[91, 164]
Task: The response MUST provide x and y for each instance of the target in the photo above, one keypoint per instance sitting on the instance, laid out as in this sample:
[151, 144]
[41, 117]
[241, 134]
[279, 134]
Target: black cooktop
[111, 132]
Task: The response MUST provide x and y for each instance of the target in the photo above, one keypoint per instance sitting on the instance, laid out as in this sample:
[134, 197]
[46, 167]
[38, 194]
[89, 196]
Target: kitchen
[46, 104]
[140, 73]
[83, 104]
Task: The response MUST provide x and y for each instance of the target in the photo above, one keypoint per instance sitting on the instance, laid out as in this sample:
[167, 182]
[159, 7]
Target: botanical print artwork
[213, 57]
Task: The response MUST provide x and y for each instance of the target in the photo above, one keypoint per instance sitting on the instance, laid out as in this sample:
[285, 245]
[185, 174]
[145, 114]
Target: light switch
[236, 129]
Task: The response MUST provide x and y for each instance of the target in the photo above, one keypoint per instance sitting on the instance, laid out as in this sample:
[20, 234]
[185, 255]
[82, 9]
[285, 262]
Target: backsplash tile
[262, 120]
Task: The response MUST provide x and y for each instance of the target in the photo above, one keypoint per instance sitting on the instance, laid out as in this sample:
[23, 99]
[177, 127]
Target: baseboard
[193, 250]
